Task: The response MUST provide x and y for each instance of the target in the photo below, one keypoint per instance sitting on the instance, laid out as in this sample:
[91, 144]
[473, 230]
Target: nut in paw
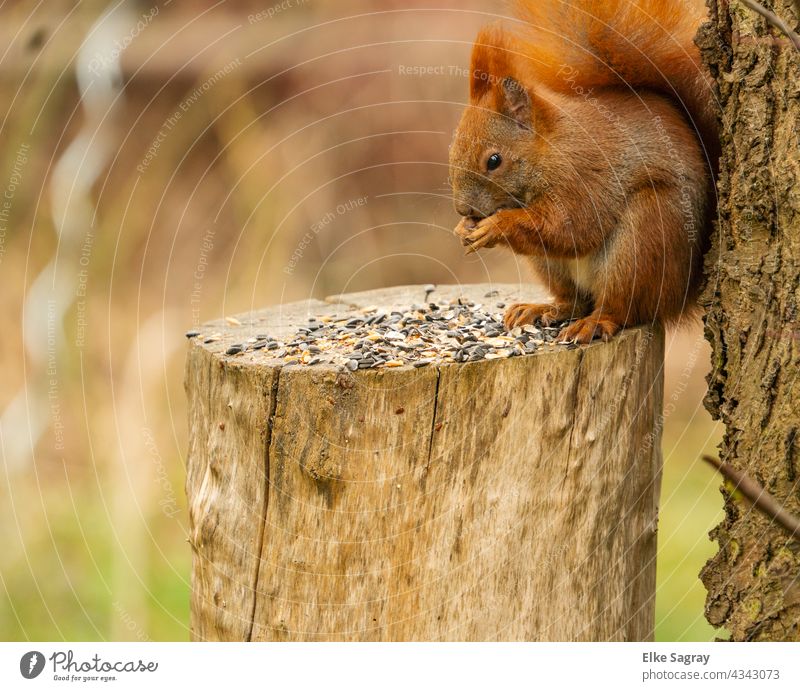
[476, 235]
[465, 227]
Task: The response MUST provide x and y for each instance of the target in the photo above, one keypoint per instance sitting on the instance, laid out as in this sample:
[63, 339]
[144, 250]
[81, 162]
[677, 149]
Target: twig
[758, 496]
[797, 7]
[775, 20]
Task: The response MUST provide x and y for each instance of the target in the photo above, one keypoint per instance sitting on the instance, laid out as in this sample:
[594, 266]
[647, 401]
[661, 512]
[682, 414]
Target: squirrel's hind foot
[585, 330]
[523, 314]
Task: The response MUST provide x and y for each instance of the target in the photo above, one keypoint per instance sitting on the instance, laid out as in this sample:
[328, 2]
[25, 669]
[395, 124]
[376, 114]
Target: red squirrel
[589, 147]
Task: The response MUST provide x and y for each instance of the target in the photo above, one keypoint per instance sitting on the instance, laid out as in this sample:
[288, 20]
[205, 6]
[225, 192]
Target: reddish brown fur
[607, 192]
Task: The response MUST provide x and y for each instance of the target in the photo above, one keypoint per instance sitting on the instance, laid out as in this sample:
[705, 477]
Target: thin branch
[797, 8]
[758, 496]
[775, 20]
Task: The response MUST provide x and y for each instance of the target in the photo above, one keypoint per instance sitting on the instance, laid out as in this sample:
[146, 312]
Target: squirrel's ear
[490, 60]
[515, 101]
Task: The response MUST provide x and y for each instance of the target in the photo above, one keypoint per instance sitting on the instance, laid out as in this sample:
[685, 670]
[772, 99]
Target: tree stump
[512, 499]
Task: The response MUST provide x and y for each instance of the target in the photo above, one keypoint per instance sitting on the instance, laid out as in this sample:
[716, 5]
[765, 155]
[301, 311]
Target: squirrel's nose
[464, 209]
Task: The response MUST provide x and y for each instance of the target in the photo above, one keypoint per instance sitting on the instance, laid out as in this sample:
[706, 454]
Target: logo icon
[31, 664]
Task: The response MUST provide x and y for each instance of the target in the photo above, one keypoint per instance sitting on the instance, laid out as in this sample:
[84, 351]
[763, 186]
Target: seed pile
[433, 333]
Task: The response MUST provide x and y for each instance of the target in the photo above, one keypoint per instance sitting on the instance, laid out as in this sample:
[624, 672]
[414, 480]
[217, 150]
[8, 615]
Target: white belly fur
[581, 271]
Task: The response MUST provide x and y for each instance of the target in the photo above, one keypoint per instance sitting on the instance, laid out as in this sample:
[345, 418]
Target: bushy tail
[627, 43]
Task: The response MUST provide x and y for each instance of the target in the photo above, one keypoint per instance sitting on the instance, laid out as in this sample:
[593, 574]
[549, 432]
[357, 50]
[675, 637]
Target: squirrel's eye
[494, 162]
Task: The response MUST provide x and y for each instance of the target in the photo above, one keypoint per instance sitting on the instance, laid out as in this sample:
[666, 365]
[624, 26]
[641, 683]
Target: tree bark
[498, 500]
[753, 271]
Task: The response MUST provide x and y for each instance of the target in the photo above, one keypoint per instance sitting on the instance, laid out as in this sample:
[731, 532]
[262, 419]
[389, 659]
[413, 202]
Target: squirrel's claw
[522, 314]
[585, 330]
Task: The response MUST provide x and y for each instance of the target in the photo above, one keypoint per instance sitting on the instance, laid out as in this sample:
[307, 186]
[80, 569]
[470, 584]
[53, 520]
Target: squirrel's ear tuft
[490, 60]
[515, 101]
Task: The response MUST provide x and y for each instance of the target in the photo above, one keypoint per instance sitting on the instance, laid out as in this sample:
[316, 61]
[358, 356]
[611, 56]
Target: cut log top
[412, 326]
[513, 499]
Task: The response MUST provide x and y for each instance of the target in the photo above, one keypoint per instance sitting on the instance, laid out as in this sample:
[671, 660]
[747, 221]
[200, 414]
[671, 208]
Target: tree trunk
[511, 499]
[752, 299]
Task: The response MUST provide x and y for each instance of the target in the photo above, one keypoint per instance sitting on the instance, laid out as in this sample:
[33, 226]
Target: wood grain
[499, 500]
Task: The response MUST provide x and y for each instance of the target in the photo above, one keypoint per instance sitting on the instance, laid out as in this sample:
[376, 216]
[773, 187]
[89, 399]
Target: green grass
[690, 506]
[65, 576]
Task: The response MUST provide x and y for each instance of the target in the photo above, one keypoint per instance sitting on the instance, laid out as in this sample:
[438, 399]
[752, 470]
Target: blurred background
[165, 163]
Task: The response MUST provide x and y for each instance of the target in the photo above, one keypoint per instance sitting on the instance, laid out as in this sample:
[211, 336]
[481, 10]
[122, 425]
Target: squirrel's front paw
[523, 314]
[465, 227]
[476, 235]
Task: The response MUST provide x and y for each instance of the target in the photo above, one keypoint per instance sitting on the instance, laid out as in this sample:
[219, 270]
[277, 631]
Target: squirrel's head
[488, 170]
[490, 157]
